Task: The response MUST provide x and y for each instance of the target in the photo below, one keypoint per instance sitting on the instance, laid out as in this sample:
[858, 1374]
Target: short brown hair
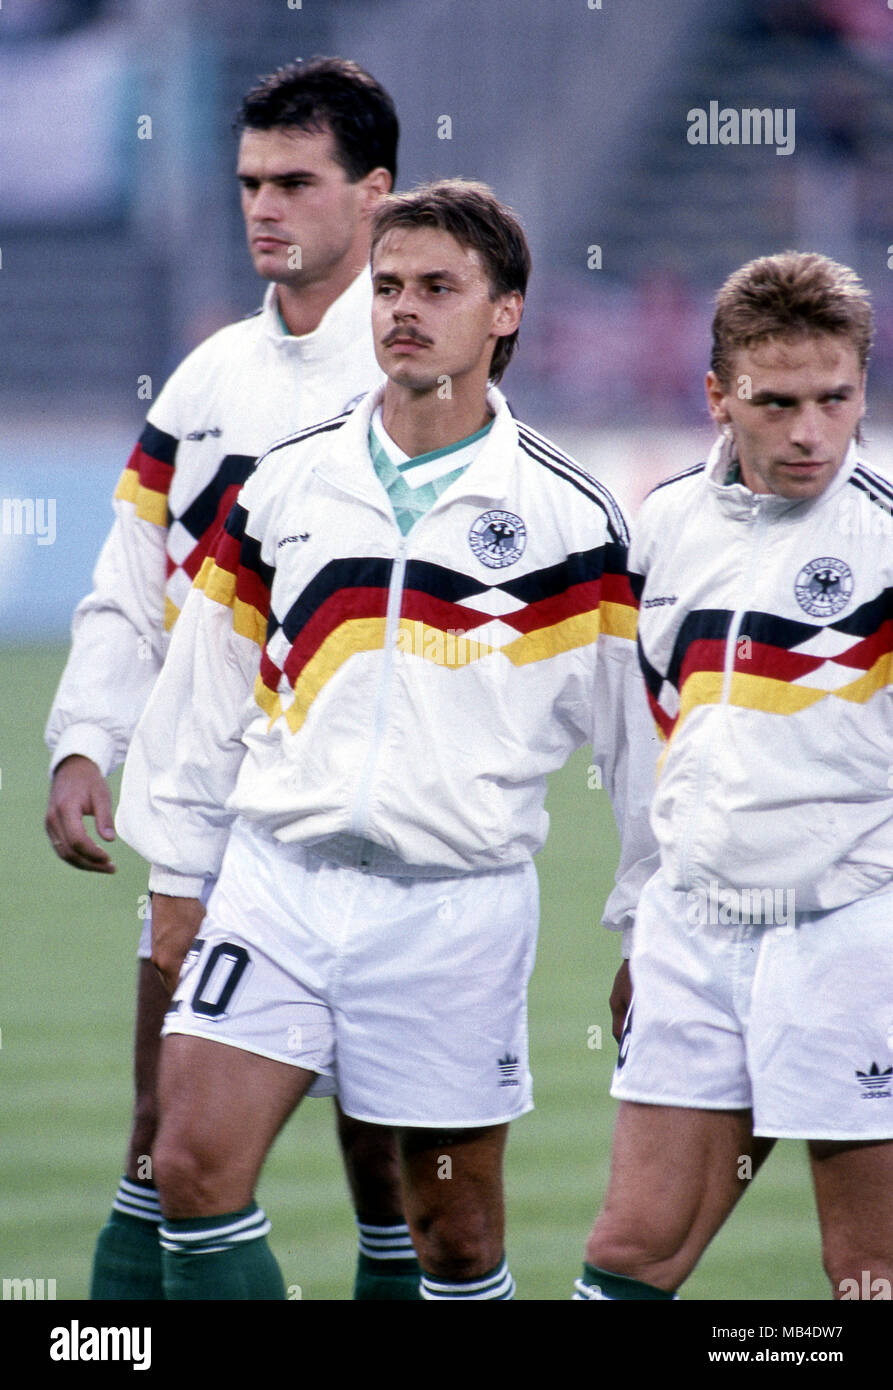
[333, 93]
[472, 214]
[791, 295]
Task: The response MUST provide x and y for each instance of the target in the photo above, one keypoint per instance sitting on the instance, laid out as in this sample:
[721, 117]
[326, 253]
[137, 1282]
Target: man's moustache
[409, 333]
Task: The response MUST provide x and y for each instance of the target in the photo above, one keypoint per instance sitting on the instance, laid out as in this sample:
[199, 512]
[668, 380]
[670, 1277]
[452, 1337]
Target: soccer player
[317, 151]
[761, 962]
[416, 611]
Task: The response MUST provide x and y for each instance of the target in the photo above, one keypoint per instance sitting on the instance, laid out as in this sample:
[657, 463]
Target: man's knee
[454, 1199]
[186, 1178]
[853, 1184]
[656, 1251]
[857, 1268]
[457, 1227]
[460, 1244]
[842, 1264]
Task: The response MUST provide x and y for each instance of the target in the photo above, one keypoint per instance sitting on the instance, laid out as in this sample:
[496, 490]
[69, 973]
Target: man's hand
[175, 923]
[79, 789]
[619, 999]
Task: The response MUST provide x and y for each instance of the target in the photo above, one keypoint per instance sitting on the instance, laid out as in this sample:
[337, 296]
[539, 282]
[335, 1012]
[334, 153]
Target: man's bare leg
[127, 1259]
[676, 1174]
[221, 1109]
[387, 1268]
[854, 1195]
[454, 1205]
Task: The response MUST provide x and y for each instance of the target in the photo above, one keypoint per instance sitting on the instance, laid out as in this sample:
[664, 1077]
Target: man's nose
[404, 304]
[265, 205]
[806, 428]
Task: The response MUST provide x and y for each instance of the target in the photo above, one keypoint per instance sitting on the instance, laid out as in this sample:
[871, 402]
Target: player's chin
[412, 376]
[802, 489]
[271, 265]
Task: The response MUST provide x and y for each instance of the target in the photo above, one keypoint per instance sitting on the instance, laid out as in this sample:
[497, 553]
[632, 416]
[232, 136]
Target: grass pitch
[68, 976]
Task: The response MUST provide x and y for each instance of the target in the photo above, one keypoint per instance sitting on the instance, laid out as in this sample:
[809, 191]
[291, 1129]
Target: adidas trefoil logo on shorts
[508, 1070]
[876, 1084]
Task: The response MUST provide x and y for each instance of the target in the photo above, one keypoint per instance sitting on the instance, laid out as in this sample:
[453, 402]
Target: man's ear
[507, 318]
[716, 399]
[376, 185]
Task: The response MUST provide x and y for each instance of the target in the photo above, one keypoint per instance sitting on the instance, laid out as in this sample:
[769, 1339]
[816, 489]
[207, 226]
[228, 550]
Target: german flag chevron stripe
[353, 636]
[343, 612]
[146, 480]
[236, 576]
[773, 669]
[208, 511]
[357, 602]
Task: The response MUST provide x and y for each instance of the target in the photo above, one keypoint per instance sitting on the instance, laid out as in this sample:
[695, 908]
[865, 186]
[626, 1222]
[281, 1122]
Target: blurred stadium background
[119, 254]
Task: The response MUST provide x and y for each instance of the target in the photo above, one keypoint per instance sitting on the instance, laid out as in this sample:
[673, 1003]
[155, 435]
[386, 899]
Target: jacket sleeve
[187, 750]
[118, 639]
[625, 744]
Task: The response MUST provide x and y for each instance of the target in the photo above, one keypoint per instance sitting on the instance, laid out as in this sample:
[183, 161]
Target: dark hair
[794, 294]
[473, 214]
[332, 93]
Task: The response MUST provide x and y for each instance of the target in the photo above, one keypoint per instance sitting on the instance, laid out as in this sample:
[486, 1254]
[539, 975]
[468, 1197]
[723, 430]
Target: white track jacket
[397, 703]
[766, 630]
[244, 387]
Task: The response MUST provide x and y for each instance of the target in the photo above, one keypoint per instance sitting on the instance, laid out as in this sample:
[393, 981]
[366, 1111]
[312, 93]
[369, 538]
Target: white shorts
[410, 994]
[322, 1086]
[793, 1021]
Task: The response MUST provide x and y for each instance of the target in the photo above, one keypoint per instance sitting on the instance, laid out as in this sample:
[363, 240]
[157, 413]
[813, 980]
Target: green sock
[220, 1258]
[387, 1268]
[600, 1283]
[127, 1259]
[396, 1279]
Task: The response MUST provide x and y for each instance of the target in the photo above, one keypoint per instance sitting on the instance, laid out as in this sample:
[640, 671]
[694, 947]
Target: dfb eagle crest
[498, 538]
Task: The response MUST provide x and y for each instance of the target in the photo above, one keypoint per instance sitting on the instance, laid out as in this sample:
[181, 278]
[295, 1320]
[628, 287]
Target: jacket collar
[336, 330]
[737, 500]
[348, 466]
